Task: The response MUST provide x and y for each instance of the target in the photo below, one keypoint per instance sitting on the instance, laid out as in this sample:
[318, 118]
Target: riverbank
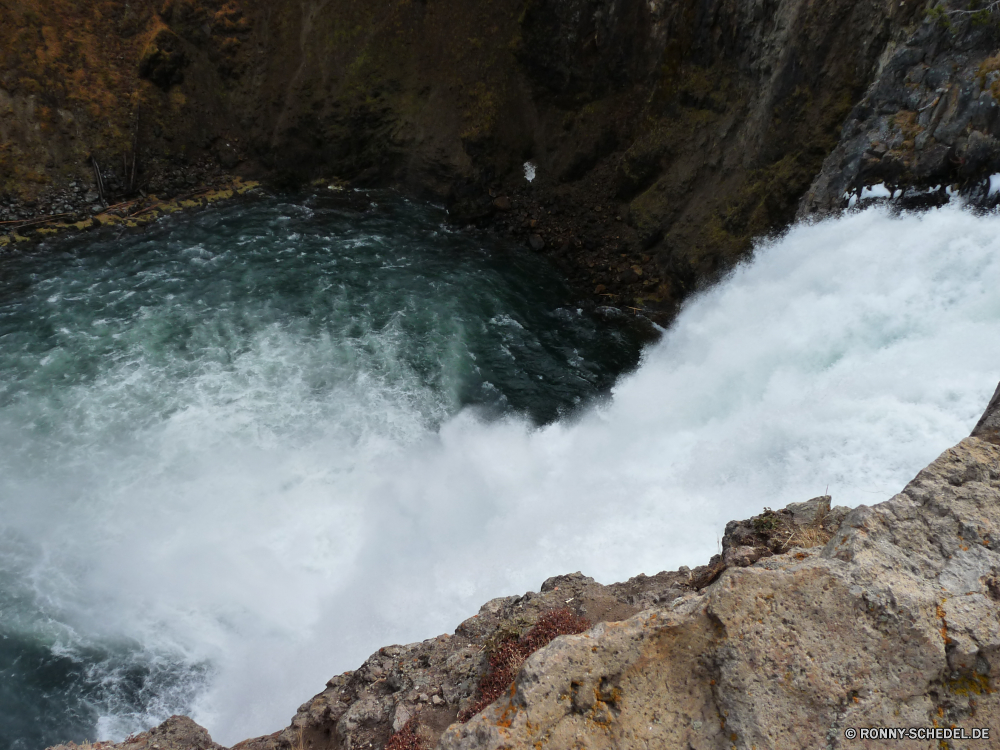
[38, 225]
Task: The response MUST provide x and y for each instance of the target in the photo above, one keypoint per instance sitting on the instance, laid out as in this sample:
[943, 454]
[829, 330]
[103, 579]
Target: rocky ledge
[814, 620]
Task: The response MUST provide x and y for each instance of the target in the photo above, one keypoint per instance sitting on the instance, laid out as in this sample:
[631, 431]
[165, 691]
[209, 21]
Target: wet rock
[536, 242]
[929, 119]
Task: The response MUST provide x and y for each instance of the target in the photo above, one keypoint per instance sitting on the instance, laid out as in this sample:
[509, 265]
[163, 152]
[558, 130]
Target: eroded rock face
[894, 622]
[929, 118]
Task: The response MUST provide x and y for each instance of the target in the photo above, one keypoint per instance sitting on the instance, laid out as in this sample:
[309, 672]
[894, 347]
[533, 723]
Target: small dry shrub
[407, 738]
[808, 536]
[509, 652]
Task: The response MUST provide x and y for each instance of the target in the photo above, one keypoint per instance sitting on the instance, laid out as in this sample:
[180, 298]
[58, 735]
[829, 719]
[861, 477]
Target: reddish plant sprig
[506, 660]
[407, 738]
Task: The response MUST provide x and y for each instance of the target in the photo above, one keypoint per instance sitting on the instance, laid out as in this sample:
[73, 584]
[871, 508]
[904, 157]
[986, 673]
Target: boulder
[176, 733]
[988, 427]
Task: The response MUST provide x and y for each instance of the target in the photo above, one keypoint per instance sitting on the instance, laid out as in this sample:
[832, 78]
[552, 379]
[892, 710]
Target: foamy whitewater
[262, 537]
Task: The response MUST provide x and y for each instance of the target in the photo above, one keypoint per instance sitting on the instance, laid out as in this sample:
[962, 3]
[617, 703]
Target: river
[241, 450]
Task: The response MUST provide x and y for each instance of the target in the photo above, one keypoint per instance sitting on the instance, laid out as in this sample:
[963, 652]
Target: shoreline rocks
[129, 214]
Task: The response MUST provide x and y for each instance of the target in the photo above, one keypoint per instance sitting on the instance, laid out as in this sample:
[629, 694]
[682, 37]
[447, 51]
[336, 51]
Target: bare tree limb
[99, 179]
[995, 5]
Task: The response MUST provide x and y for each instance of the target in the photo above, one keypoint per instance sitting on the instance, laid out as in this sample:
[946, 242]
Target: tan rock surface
[895, 622]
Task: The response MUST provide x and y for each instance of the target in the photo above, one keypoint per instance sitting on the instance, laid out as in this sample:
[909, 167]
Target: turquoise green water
[358, 322]
[245, 449]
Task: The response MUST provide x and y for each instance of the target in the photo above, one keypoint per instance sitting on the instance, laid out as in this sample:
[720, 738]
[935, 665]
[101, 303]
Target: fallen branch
[99, 179]
[973, 11]
[120, 205]
[35, 220]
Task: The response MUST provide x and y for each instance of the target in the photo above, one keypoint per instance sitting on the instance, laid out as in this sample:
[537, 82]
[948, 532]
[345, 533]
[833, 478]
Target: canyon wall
[665, 135]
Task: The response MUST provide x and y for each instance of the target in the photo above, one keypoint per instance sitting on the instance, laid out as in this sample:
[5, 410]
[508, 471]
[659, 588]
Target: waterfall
[235, 520]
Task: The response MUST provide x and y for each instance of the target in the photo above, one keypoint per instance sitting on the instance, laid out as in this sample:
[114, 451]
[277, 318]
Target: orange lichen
[944, 624]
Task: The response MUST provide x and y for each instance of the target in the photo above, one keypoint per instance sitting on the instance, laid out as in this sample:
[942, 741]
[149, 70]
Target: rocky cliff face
[814, 621]
[928, 125]
[664, 135]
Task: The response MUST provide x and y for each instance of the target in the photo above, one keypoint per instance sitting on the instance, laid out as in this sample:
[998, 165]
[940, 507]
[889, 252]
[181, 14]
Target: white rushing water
[844, 358]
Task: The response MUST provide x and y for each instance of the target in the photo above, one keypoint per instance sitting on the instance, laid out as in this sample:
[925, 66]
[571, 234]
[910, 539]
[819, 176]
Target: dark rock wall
[930, 118]
[666, 134]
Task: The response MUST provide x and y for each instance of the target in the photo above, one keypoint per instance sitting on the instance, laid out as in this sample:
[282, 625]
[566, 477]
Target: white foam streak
[846, 356]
